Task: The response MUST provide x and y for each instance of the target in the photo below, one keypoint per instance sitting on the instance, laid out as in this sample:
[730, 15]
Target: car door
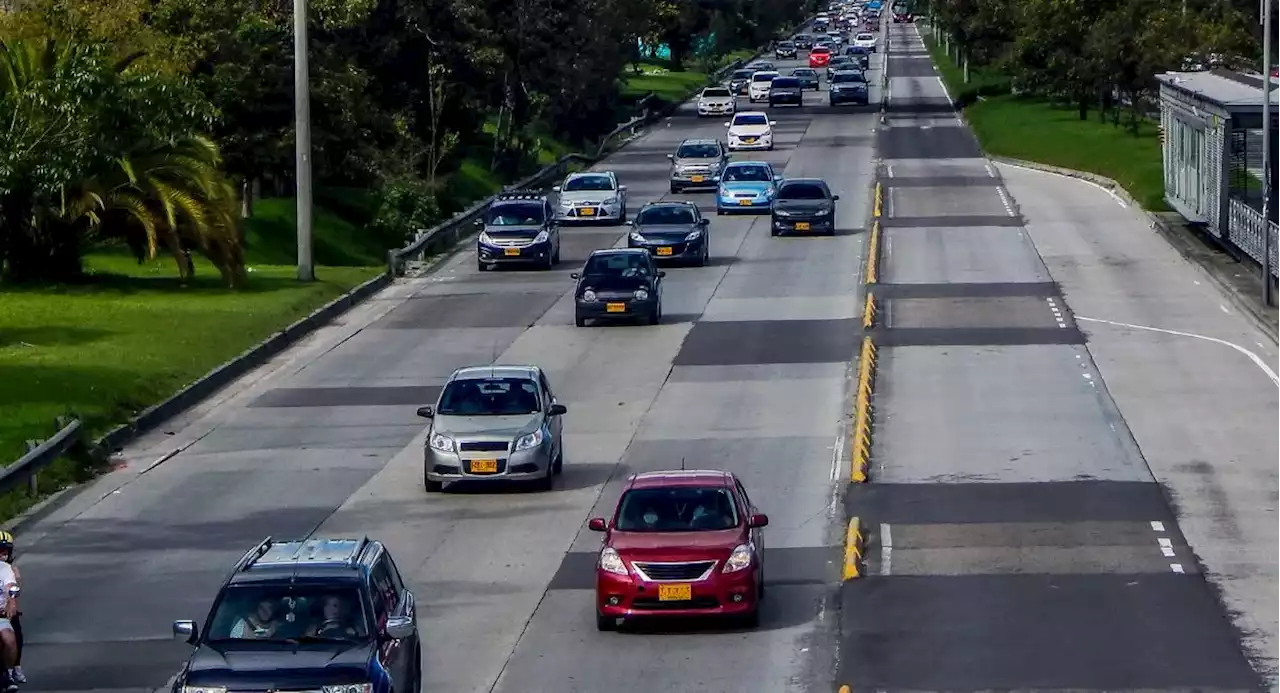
[655, 277]
[555, 423]
[553, 227]
[394, 655]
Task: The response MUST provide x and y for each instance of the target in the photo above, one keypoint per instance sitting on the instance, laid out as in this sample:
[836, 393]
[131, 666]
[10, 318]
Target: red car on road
[819, 56]
[680, 543]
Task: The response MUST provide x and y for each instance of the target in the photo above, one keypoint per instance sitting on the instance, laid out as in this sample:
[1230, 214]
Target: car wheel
[775, 231]
[481, 267]
[433, 486]
[547, 482]
[705, 258]
[605, 623]
[656, 316]
[675, 189]
[579, 320]
[720, 212]
[557, 466]
[751, 620]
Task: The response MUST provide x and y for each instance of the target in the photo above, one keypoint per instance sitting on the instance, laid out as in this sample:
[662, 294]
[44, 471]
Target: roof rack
[503, 197]
[253, 554]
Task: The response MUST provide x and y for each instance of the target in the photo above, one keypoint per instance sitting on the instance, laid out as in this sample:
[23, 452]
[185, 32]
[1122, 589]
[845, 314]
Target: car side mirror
[573, 275]
[555, 188]
[557, 410]
[400, 627]
[704, 222]
[772, 123]
[622, 188]
[834, 198]
[427, 412]
[597, 524]
[777, 179]
[661, 274]
[726, 124]
[186, 631]
[671, 157]
[758, 520]
[478, 223]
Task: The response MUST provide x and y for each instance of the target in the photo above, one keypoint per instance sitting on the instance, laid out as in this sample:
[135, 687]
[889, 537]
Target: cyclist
[16, 674]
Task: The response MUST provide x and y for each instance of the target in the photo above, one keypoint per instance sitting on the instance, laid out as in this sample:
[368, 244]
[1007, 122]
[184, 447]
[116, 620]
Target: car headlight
[694, 235]
[782, 212]
[635, 236]
[610, 562]
[768, 192]
[530, 441]
[348, 688]
[740, 559]
[485, 238]
[641, 295]
[589, 296]
[823, 212]
[204, 689]
[542, 237]
[610, 201]
[441, 442]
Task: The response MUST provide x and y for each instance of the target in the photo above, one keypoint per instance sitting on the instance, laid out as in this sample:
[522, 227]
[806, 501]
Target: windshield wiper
[315, 639]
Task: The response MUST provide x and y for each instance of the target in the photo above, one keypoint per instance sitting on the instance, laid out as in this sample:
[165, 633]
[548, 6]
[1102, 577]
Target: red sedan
[681, 543]
[819, 57]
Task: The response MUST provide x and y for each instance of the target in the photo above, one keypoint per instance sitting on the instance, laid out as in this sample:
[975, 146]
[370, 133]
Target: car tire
[481, 267]
[557, 465]
[705, 258]
[555, 259]
[720, 212]
[579, 321]
[605, 624]
[774, 231]
[547, 482]
[432, 486]
[655, 316]
[675, 189]
[752, 619]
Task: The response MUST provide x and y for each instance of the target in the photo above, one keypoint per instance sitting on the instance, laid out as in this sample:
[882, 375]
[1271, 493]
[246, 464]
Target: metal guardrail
[26, 469]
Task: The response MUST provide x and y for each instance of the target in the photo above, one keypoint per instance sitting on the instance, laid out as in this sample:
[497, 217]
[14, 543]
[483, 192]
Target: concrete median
[853, 545]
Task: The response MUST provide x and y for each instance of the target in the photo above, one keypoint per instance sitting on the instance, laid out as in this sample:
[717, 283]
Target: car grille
[510, 242]
[651, 604]
[745, 195]
[485, 446]
[675, 571]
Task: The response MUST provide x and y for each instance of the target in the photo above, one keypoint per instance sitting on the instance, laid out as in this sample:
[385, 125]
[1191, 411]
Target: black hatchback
[786, 90]
[805, 206]
[784, 49]
[618, 284]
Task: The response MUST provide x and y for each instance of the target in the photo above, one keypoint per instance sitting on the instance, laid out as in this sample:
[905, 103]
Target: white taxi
[758, 87]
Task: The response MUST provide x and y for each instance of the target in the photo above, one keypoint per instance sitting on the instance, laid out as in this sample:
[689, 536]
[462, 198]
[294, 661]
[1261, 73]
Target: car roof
[817, 181]
[584, 174]
[751, 113]
[680, 477]
[495, 371]
[735, 164]
[668, 203]
[325, 558]
[700, 140]
[620, 251]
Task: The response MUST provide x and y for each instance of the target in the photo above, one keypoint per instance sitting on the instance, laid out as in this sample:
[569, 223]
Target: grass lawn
[1033, 130]
[672, 87]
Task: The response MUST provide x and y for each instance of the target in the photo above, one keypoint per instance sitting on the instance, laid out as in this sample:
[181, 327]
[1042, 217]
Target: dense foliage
[145, 120]
[1094, 53]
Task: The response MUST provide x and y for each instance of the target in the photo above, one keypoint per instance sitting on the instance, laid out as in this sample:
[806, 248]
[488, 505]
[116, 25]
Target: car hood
[666, 232]
[595, 196]
[760, 85]
[512, 232]
[746, 185]
[749, 130]
[697, 163]
[801, 206]
[720, 100]
[613, 283]
[675, 546]
[273, 667]
[497, 427]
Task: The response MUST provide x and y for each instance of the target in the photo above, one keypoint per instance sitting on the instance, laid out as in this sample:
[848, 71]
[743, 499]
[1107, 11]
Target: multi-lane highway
[1022, 532]
[749, 373]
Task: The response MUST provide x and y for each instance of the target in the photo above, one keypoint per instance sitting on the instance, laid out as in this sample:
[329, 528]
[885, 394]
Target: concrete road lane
[1024, 542]
[748, 373]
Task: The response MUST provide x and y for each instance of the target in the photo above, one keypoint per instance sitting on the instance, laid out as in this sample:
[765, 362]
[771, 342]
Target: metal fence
[26, 470]
[1245, 227]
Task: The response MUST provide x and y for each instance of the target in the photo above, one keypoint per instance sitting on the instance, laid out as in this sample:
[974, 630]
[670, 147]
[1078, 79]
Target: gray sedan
[494, 422]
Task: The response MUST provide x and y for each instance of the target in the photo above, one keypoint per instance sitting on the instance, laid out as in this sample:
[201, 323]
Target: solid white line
[1252, 356]
[1157, 526]
[1086, 181]
[837, 460]
[1176, 567]
[886, 550]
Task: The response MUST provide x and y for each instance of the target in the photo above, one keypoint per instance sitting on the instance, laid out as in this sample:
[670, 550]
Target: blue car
[746, 186]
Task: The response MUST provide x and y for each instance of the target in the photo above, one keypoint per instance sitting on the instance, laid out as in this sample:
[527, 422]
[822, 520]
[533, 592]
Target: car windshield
[843, 77]
[288, 613]
[716, 93]
[625, 265]
[763, 76]
[802, 191]
[743, 74]
[803, 72]
[489, 397]
[821, 50]
[702, 150]
[744, 174]
[515, 214]
[665, 215]
[786, 44]
[751, 119]
[865, 37]
[786, 83]
[584, 183]
[676, 509]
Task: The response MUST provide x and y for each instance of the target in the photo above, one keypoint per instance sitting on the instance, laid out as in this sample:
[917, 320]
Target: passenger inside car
[618, 265]
[747, 173]
[333, 620]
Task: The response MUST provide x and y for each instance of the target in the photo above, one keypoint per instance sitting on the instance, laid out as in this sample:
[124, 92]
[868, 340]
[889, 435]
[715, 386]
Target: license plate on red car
[675, 593]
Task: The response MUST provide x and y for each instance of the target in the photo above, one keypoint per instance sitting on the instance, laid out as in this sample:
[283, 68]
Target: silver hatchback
[494, 422]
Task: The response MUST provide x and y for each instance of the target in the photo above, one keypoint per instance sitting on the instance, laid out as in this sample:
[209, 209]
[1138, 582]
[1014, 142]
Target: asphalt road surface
[748, 373]
[1020, 537]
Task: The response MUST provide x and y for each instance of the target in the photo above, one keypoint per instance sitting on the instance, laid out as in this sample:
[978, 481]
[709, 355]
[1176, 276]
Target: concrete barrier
[853, 545]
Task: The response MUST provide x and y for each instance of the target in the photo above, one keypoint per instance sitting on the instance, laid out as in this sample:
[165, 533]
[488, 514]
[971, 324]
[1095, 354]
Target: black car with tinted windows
[672, 231]
[518, 229]
[861, 56]
[786, 90]
[738, 81]
[312, 614]
[838, 63]
[618, 284]
[848, 86]
[808, 78]
[804, 206]
[784, 49]
[804, 41]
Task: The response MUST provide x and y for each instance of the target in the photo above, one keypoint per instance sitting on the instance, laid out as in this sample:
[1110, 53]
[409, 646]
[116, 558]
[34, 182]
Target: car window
[746, 497]
[286, 611]
[750, 119]
[665, 215]
[842, 77]
[865, 37]
[489, 397]
[677, 509]
[581, 183]
[716, 92]
[785, 83]
[385, 595]
[627, 265]
[804, 72]
[748, 173]
[821, 50]
[546, 386]
[396, 581]
[801, 191]
[515, 214]
[702, 150]
[743, 74]
[763, 76]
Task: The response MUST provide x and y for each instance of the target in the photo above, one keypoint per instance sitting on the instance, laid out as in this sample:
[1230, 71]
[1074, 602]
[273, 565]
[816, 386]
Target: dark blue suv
[328, 615]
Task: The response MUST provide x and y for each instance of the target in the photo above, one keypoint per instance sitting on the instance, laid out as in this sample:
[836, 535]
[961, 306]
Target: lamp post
[1268, 297]
[302, 135]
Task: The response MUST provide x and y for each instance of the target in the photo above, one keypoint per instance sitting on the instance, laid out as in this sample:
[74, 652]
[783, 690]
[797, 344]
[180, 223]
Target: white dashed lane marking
[1058, 315]
[1166, 546]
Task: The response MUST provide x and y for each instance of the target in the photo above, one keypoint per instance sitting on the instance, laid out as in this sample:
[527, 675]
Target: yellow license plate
[697, 179]
[744, 203]
[616, 308]
[802, 226]
[511, 251]
[749, 140]
[664, 251]
[587, 211]
[675, 593]
[484, 466]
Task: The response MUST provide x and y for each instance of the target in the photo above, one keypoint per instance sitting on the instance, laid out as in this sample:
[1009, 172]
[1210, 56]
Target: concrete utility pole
[1268, 161]
[302, 127]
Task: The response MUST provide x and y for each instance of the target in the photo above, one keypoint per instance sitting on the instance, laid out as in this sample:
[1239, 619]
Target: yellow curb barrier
[869, 312]
[879, 199]
[873, 254]
[845, 689]
[852, 553]
[862, 412]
